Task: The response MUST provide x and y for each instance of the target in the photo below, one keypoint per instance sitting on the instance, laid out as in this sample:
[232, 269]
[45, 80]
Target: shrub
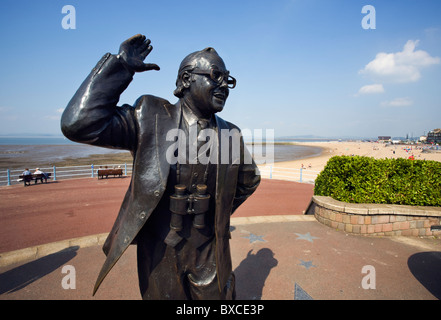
[393, 181]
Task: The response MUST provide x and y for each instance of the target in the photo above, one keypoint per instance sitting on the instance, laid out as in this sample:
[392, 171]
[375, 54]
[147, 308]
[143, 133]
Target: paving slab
[292, 258]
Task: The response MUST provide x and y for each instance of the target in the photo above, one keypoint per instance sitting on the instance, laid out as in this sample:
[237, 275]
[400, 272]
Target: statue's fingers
[144, 47]
[135, 38]
[151, 66]
[145, 50]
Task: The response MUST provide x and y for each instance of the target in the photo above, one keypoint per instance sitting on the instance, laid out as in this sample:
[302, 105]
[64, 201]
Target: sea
[44, 150]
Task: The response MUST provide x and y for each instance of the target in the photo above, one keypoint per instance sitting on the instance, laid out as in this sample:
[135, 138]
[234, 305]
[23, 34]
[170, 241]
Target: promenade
[278, 252]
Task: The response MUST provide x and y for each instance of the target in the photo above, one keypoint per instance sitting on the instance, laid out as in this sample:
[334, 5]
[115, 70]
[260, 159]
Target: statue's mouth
[220, 95]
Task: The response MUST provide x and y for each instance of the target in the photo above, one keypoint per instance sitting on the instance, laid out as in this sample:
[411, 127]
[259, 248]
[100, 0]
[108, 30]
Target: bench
[109, 172]
[29, 177]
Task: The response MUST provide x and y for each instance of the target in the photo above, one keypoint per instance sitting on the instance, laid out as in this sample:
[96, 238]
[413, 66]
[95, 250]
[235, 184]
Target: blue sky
[304, 67]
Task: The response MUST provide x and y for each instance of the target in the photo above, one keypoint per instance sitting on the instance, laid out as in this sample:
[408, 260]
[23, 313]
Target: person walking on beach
[176, 210]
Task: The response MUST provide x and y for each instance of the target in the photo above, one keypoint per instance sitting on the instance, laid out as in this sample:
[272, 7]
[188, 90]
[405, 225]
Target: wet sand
[31, 157]
[97, 159]
[47, 156]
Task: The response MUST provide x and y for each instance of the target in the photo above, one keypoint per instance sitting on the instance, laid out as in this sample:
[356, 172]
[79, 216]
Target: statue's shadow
[252, 273]
[426, 268]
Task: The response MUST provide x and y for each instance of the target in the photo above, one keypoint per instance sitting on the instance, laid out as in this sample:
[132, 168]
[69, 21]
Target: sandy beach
[368, 149]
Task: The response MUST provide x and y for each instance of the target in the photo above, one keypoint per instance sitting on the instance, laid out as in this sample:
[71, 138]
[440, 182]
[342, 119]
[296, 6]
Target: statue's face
[209, 82]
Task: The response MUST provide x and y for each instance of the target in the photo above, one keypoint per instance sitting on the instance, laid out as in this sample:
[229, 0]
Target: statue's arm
[92, 116]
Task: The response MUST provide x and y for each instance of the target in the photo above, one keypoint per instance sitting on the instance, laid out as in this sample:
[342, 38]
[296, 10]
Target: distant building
[434, 136]
[384, 138]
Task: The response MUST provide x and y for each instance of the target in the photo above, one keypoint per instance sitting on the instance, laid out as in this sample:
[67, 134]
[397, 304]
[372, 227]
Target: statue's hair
[188, 64]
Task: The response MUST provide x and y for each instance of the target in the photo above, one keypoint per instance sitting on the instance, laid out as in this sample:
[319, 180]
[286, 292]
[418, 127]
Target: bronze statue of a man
[177, 209]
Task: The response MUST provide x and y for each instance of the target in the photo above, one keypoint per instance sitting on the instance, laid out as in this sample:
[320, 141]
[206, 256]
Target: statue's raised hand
[133, 51]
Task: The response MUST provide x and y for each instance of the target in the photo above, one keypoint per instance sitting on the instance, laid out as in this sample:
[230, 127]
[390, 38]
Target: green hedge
[393, 181]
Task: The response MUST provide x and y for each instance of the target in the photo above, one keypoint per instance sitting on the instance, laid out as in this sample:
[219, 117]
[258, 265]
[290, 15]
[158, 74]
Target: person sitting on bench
[41, 177]
[27, 177]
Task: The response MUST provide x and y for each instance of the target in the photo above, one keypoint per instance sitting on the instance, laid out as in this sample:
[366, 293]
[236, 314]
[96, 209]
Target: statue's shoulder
[151, 101]
[152, 104]
[226, 124]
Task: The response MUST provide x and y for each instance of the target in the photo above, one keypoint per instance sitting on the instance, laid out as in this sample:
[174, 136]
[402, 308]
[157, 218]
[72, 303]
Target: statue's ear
[186, 79]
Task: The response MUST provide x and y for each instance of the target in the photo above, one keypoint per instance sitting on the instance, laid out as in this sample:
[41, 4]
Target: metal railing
[11, 177]
[290, 174]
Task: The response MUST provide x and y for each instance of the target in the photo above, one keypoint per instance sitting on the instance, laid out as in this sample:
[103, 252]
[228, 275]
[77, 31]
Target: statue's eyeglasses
[218, 77]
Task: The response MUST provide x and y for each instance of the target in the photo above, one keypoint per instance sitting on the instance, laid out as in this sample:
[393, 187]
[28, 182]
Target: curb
[36, 252]
[40, 251]
[270, 219]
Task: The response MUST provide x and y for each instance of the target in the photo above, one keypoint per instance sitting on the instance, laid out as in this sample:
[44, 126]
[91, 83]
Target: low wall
[376, 219]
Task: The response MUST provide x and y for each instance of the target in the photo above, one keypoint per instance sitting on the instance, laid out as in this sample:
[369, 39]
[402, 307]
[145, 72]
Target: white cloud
[402, 66]
[371, 89]
[398, 102]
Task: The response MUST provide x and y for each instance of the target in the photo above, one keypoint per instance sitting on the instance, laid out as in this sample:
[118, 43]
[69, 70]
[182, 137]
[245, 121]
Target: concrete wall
[376, 219]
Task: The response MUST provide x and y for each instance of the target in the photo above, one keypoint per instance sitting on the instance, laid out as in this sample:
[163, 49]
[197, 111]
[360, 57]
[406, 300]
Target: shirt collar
[192, 119]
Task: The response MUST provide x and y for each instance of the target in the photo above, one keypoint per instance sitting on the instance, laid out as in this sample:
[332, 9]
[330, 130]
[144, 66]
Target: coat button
[156, 193]
[142, 215]
[126, 239]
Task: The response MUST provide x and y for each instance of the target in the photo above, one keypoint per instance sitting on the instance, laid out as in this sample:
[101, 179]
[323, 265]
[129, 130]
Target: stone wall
[377, 219]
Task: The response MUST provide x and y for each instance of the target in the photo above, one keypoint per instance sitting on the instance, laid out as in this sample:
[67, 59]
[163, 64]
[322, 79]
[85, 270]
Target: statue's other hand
[134, 51]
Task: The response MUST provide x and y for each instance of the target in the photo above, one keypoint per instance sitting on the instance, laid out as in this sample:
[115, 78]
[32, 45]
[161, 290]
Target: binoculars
[182, 203]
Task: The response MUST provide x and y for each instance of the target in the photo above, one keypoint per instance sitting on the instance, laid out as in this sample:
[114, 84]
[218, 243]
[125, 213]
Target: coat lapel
[164, 123]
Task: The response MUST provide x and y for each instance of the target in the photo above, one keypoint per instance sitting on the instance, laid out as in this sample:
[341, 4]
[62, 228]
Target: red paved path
[65, 209]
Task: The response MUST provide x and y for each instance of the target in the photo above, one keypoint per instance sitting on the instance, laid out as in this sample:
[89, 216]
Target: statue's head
[203, 81]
